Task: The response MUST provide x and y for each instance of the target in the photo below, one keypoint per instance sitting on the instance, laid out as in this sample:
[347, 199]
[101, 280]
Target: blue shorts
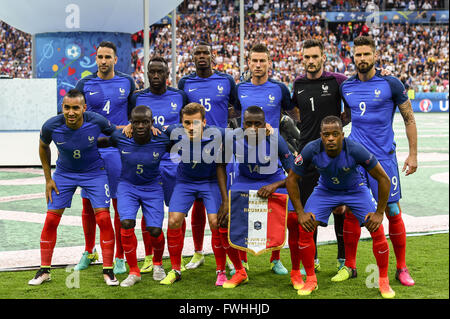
[243, 183]
[150, 197]
[185, 193]
[323, 200]
[94, 184]
[391, 168]
[168, 174]
[113, 166]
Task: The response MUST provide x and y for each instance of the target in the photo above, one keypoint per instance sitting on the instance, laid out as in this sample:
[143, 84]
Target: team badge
[220, 88]
[298, 160]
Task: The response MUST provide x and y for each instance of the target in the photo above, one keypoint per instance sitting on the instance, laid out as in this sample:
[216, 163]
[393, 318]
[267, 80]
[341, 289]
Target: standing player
[337, 159]
[140, 186]
[196, 178]
[215, 91]
[273, 97]
[107, 92]
[373, 99]
[250, 174]
[316, 95]
[165, 103]
[75, 134]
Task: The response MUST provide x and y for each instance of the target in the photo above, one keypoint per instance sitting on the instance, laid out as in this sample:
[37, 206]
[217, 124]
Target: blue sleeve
[362, 156]
[399, 93]
[132, 103]
[232, 98]
[106, 127]
[285, 156]
[181, 83]
[115, 137]
[46, 132]
[304, 159]
[185, 98]
[286, 101]
[80, 85]
[342, 95]
[237, 103]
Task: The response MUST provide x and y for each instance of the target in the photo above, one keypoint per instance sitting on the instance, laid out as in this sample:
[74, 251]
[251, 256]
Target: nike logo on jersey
[192, 90]
[123, 152]
[300, 92]
[60, 143]
[107, 201]
[393, 194]
[244, 96]
[348, 93]
[92, 93]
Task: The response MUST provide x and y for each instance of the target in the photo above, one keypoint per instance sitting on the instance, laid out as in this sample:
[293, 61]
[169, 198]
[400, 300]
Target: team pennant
[257, 224]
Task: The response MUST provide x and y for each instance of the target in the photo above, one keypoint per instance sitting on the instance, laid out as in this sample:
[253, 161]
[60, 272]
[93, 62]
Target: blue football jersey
[140, 163]
[109, 98]
[373, 105]
[165, 107]
[215, 93]
[77, 149]
[248, 156]
[198, 160]
[272, 96]
[336, 173]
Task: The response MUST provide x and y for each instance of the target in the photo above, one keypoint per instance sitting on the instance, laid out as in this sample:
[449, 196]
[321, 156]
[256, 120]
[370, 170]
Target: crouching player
[253, 174]
[196, 178]
[140, 185]
[75, 134]
[337, 160]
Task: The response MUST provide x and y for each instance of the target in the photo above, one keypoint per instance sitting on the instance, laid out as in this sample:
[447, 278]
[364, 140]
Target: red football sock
[89, 225]
[352, 233]
[117, 226]
[198, 222]
[243, 255]
[175, 245]
[397, 234]
[219, 252]
[275, 255]
[129, 242]
[107, 237]
[158, 244]
[146, 238]
[48, 238]
[380, 249]
[307, 250]
[183, 229]
[293, 238]
[232, 253]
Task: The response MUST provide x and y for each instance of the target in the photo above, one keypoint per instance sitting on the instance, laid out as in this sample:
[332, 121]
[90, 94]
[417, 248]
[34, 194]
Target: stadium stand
[417, 54]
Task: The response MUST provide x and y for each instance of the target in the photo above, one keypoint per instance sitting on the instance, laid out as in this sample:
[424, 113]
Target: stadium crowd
[417, 54]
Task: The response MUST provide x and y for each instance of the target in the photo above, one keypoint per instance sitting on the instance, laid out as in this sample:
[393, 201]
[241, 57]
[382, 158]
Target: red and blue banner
[257, 224]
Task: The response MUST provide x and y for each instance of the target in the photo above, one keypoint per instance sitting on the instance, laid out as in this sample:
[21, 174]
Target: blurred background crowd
[417, 54]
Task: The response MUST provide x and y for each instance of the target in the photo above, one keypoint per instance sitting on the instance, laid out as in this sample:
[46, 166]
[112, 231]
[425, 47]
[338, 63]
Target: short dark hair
[330, 119]
[193, 108]
[108, 44]
[364, 40]
[254, 110]
[311, 43]
[74, 93]
[141, 109]
[259, 48]
[158, 58]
